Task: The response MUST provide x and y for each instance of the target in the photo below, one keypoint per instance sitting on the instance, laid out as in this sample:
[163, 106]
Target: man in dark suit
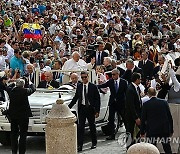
[118, 87]
[133, 104]
[88, 98]
[131, 68]
[49, 82]
[57, 66]
[19, 112]
[31, 73]
[100, 54]
[147, 67]
[156, 120]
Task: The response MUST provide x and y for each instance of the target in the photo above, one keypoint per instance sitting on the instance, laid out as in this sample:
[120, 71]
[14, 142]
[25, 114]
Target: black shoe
[111, 137]
[93, 146]
[79, 148]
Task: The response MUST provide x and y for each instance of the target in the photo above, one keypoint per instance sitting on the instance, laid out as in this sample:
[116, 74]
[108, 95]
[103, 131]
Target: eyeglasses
[83, 77]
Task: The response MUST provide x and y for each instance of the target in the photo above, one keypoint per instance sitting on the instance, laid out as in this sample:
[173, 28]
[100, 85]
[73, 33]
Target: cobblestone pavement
[36, 145]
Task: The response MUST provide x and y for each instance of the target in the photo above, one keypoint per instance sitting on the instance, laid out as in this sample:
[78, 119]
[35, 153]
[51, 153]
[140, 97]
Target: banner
[32, 30]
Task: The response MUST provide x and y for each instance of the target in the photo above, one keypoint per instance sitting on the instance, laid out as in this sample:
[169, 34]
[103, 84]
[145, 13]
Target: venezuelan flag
[32, 30]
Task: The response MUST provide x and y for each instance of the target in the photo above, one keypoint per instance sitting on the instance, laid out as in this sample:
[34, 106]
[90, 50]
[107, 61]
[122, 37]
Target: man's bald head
[48, 76]
[74, 77]
[151, 92]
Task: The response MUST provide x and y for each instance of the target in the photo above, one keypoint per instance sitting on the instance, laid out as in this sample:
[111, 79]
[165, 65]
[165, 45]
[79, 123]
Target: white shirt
[145, 61]
[17, 2]
[2, 63]
[145, 99]
[71, 65]
[10, 52]
[83, 98]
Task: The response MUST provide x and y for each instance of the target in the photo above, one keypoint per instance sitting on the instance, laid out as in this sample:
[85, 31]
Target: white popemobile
[41, 103]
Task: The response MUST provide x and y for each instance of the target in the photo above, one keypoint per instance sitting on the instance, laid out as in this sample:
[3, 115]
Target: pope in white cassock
[75, 64]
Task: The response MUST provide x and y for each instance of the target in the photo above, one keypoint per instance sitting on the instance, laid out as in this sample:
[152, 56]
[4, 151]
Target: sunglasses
[83, 77]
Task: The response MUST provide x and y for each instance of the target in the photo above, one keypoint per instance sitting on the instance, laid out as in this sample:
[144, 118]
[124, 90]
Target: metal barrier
[38, 72]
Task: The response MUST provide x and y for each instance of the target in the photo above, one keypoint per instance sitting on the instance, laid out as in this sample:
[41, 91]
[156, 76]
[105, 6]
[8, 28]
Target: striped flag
[32, 30]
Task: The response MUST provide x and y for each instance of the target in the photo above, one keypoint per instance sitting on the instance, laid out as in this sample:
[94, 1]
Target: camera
[90, 51]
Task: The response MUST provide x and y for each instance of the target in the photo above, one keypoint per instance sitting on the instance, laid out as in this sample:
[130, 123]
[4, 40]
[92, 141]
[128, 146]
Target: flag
[32, 30]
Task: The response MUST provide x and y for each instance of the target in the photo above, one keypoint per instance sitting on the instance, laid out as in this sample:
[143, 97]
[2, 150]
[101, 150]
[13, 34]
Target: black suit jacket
[118, 97]
[19, 107]
[128, 73]
[93, 96]
[56, 76]
[156, 118]
[104, 54]
[147, 69]
[121, 71]
[53, 83]
[133, 103]
[155, 71]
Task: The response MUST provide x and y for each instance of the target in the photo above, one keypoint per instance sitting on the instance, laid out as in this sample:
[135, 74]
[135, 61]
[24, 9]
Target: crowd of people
[130, 39]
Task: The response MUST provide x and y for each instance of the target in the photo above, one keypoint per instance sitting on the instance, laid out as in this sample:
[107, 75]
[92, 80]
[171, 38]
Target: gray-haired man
[19, 112]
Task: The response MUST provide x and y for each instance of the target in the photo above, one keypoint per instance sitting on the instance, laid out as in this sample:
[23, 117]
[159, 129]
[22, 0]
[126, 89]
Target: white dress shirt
[10, 52]
[83, 98]
[2, 63]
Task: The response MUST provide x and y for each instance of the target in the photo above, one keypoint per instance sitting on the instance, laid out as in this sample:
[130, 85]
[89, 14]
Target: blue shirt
[34, 10]
[42, 8]
[17, 63]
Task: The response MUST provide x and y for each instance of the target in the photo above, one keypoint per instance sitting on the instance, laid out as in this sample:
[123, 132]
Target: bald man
[75, 64]
[74, 80]
[156, 120]
[49, 82]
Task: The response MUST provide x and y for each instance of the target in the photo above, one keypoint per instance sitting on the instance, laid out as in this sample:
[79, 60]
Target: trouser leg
[111, 119]
[14, 136]
[92, 126]
[23, 125]
[166, 146]
[81, 125]
[130, 127]
[122, 114]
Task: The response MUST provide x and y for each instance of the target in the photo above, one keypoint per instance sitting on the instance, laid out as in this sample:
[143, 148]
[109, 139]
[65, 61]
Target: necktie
[99, 58]
[116, 86]
[85, 96]
[139, 95]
